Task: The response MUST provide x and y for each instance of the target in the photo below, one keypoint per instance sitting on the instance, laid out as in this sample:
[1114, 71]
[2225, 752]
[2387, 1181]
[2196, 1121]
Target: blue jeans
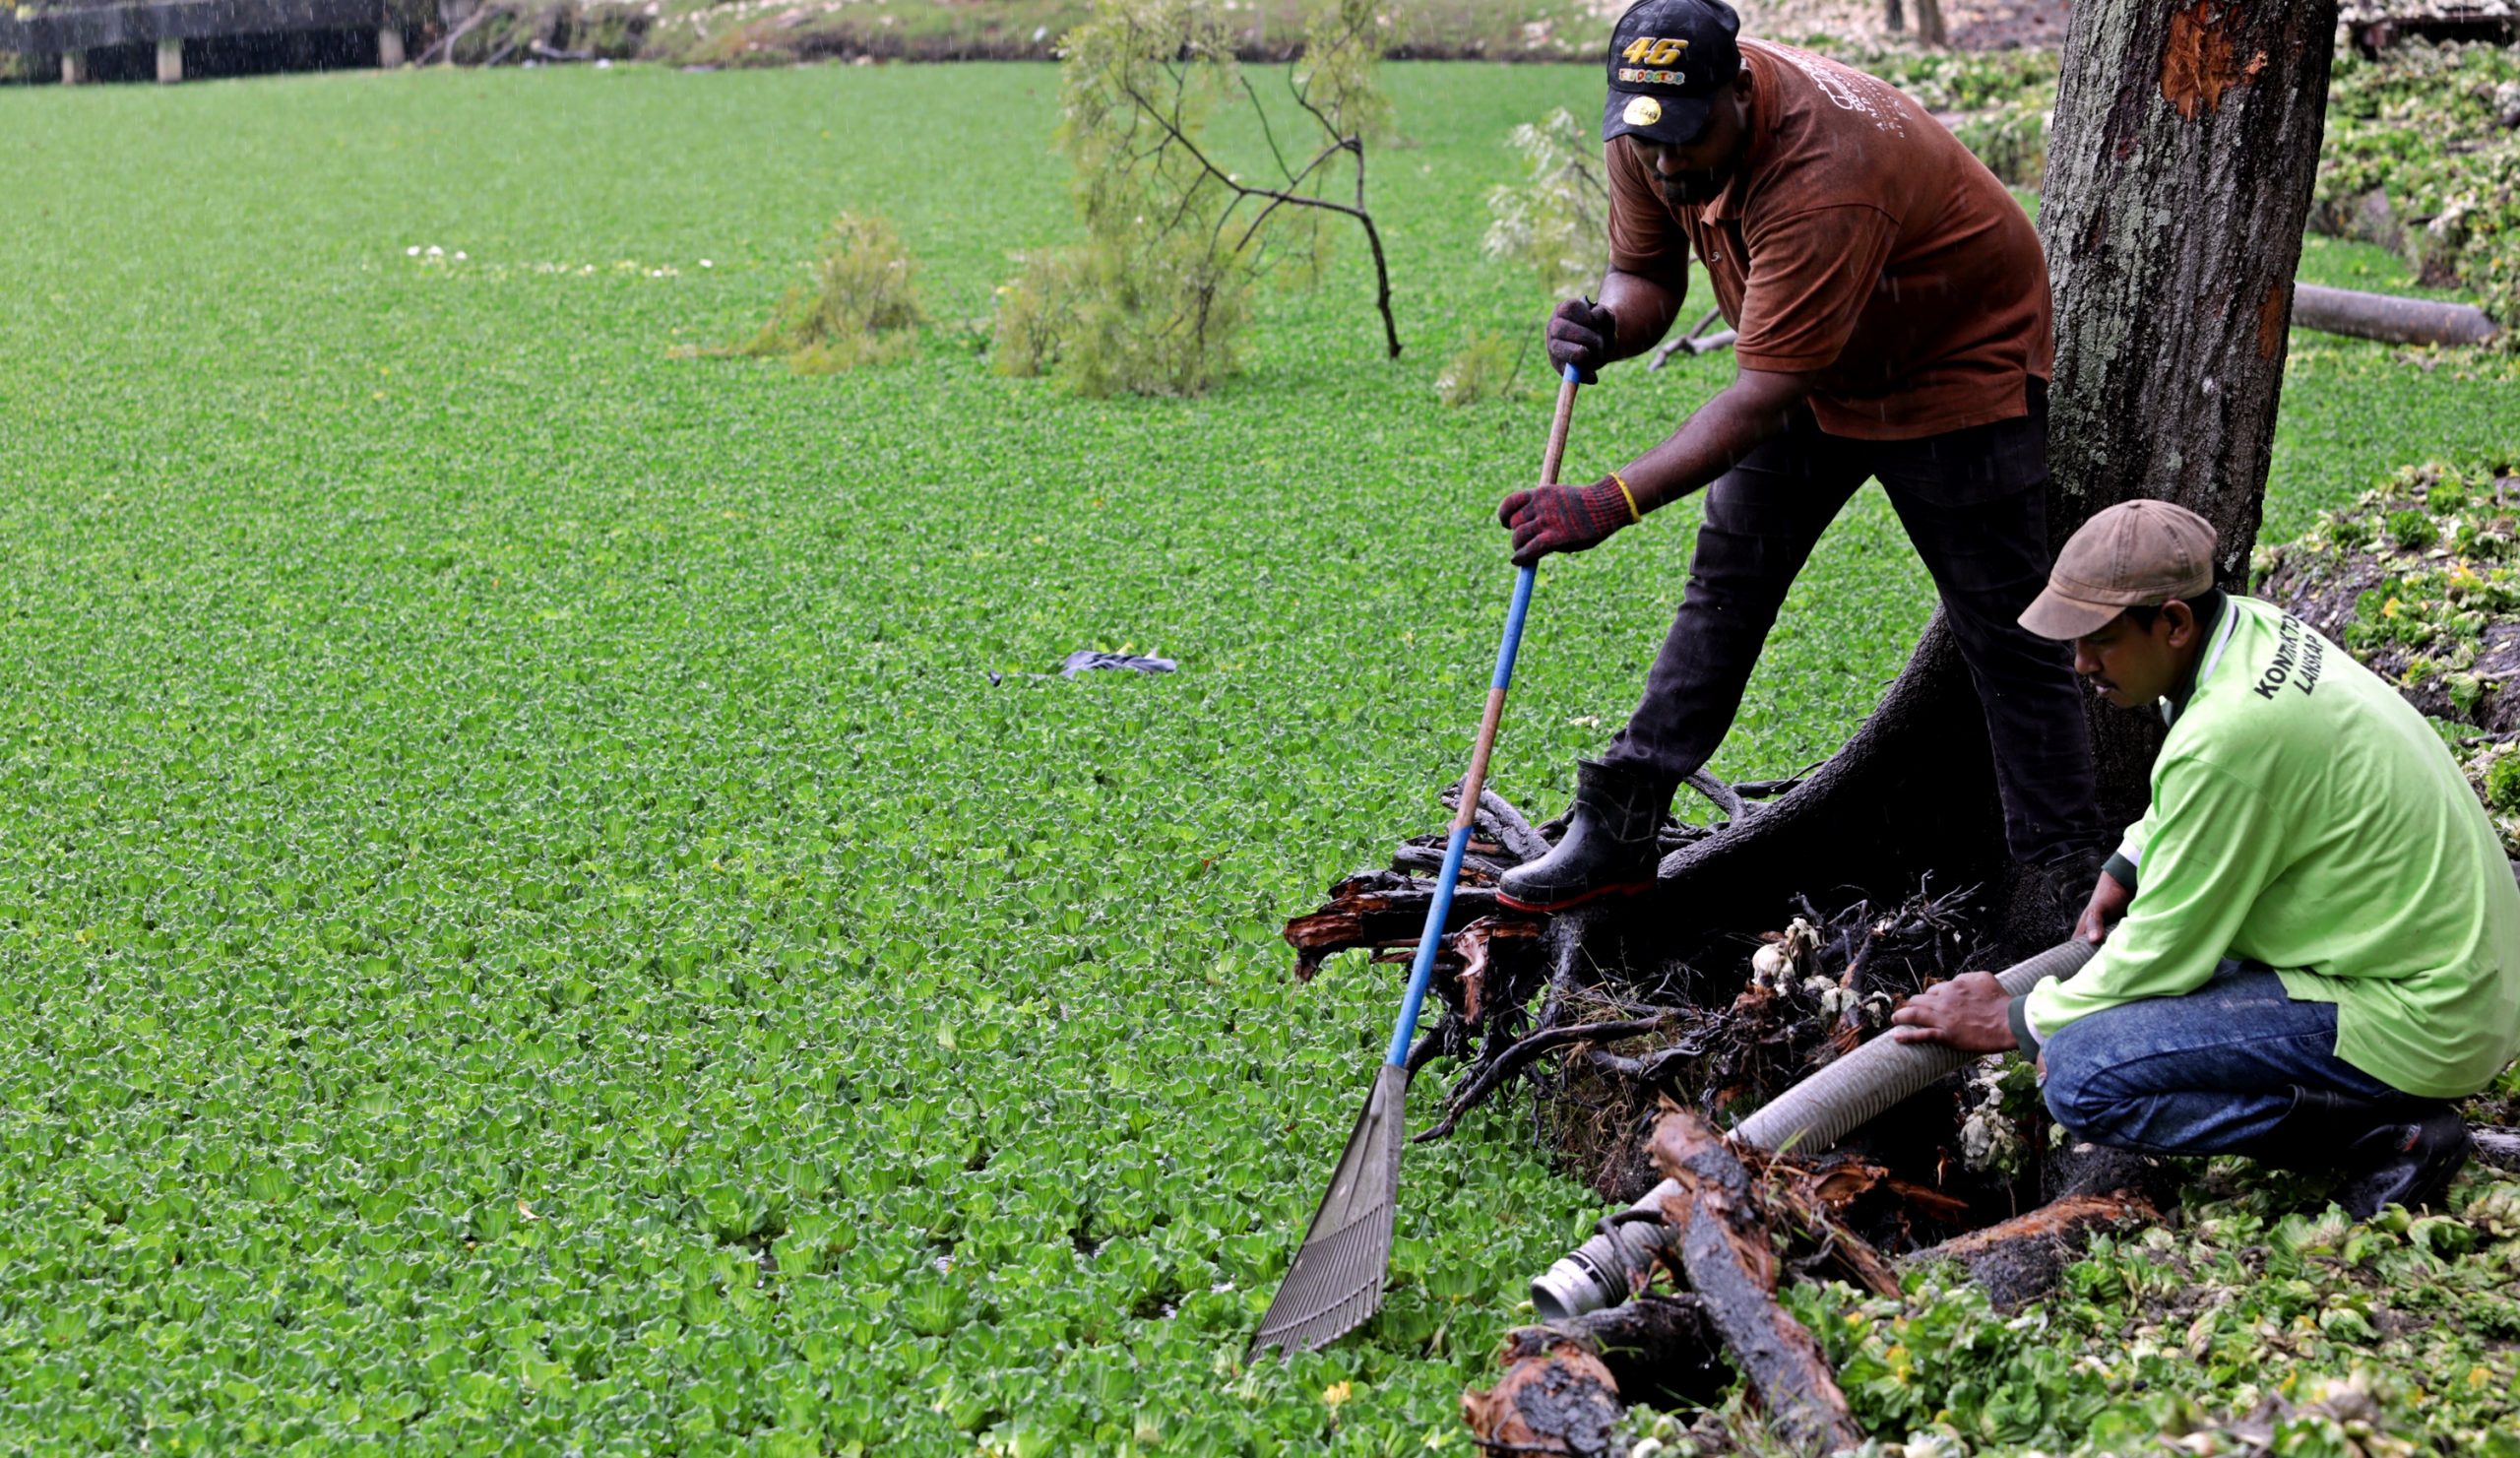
[2209, 1072]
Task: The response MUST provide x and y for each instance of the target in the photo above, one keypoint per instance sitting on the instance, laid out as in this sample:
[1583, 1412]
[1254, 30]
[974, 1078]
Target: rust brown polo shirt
[1861, 243]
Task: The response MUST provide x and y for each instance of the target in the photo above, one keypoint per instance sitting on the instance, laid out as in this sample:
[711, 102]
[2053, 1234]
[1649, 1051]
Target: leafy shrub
[1484, 369]
[861, 308]
[2503, 784]
[2410, 530]
[1112, 318]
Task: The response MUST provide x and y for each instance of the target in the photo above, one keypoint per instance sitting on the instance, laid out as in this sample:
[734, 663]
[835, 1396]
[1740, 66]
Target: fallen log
[2497, 1147]
[1724, 1248]
[1695, 343]
[1565, 1384]
[2022, 1258]
[2389, 318]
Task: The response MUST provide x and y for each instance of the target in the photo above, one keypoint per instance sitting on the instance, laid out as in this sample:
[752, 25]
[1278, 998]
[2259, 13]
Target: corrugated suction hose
[1812, 1115]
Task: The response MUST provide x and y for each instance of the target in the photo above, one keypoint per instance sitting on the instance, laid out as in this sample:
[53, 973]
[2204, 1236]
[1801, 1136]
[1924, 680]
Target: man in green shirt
[2310, 943]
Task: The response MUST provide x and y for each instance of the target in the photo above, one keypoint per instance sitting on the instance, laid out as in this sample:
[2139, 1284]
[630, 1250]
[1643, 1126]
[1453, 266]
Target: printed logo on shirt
[1850, 91]
[1653, 50]
[2299, 657]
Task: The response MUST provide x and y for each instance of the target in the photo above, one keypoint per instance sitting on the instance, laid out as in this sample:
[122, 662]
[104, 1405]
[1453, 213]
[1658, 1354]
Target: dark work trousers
[1975, 502]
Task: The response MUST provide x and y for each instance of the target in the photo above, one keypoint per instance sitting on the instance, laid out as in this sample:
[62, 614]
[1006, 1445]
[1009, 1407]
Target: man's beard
[1693, 189]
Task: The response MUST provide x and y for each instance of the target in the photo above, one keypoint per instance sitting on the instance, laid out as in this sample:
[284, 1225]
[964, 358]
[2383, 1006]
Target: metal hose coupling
[1602, 1271]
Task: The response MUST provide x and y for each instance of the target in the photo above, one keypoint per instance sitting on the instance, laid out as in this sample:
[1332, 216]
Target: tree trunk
[2186, 140]
[1929, 22]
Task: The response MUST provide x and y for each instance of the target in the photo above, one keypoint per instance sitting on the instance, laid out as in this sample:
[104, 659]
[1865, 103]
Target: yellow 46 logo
[1650, 50]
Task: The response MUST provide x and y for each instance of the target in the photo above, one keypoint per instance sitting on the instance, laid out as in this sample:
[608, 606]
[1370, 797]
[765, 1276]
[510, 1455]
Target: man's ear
[2182, 622]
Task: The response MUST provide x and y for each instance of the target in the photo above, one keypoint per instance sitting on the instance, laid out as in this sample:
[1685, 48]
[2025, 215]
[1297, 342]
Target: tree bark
[2185, 143]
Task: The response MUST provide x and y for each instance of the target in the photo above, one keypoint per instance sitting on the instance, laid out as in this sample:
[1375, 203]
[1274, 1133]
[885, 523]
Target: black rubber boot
[2389, 1154]
[1609, 849]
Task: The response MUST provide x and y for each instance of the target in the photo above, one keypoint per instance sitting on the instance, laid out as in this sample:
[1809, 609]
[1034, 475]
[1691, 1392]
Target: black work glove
[1580, 334]
[1563, 519]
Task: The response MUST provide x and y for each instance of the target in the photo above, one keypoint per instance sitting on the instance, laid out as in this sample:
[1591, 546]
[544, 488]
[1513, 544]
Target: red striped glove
[1564, 519]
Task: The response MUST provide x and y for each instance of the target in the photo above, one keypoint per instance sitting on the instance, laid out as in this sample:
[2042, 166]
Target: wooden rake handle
[1477, 780]
[1439, 907]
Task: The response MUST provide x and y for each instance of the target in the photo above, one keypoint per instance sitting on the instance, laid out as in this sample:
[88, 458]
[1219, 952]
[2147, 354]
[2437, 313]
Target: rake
[1335, 1281]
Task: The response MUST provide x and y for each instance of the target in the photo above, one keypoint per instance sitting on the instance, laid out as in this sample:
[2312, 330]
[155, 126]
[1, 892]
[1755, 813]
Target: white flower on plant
[458, 255]
[436, 252]
[411, 252]
[706, 264]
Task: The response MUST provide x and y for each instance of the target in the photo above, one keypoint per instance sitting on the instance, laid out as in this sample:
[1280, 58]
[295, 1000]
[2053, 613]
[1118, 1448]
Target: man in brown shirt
[1894, 322]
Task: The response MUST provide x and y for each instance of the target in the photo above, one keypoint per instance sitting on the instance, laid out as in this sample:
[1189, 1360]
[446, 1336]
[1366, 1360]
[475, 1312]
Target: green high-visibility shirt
[2305, 816]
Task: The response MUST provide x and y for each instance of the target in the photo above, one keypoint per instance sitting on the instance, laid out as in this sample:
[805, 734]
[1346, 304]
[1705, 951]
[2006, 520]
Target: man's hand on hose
[1580, 334]
[1972, 1012]
[2108, 902]
[1564, 519]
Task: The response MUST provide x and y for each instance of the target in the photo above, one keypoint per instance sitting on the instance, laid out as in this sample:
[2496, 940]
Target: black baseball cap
[1668, 58]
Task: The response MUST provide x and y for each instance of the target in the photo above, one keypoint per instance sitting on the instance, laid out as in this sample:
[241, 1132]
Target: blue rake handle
[1422, 971]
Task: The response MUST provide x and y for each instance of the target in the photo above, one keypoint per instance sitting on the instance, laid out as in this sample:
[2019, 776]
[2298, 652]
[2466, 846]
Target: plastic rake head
[1336, 1282]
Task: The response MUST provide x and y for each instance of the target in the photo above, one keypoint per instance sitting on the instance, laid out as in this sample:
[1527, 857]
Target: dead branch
[445, 45]
[1475, 868]
[1277, 197]
[1558, 1400]
[1520, 1056]
[1725, 1251]
[1503, 822]
[1477, 947]
[1720, 793]
[1376, 908]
